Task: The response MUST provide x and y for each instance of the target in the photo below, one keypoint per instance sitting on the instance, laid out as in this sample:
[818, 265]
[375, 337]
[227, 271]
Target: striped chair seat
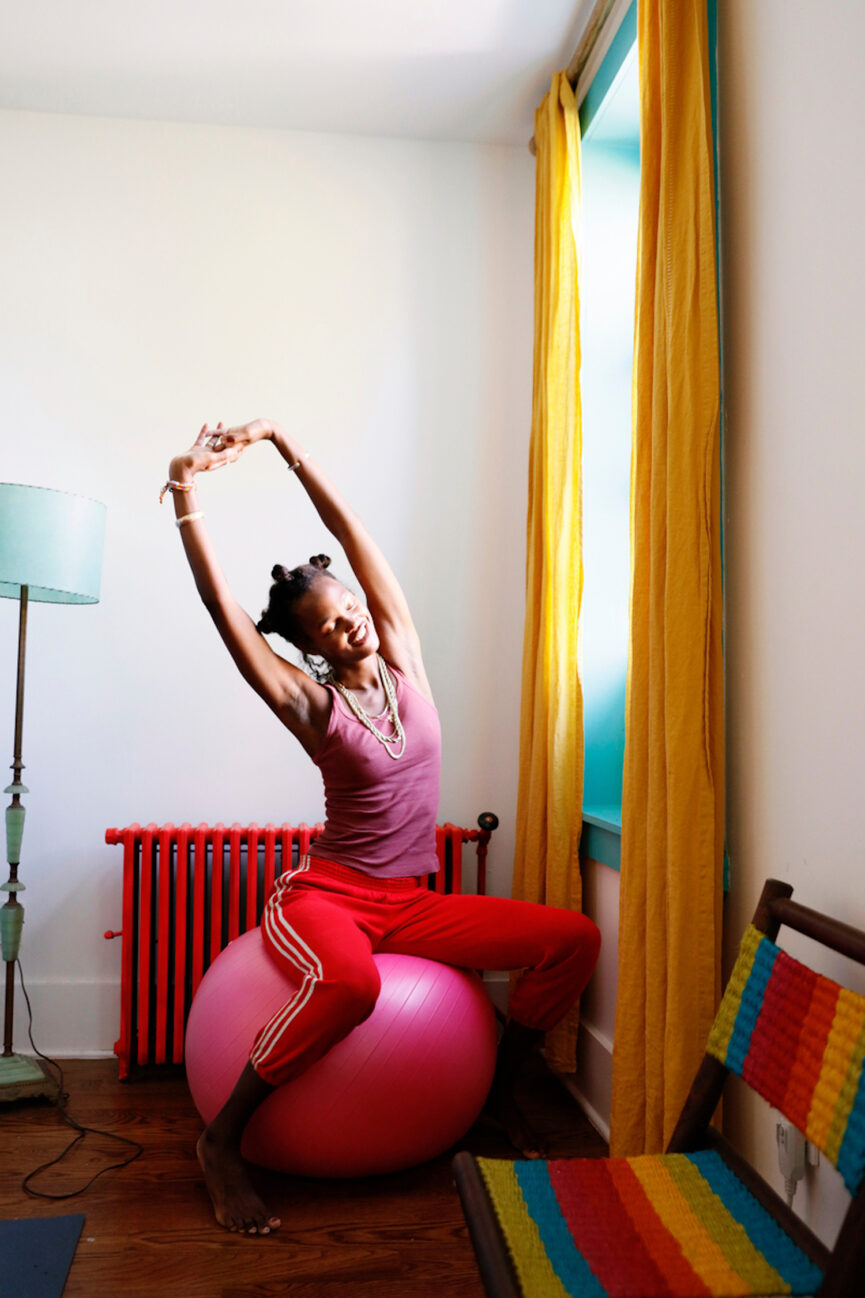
[655, 1226]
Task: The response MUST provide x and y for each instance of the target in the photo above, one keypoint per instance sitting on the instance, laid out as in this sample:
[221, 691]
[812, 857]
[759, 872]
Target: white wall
[375, 295]
[792, 102]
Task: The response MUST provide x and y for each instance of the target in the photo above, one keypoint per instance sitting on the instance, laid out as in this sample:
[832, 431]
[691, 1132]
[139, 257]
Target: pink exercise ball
[401, 1088]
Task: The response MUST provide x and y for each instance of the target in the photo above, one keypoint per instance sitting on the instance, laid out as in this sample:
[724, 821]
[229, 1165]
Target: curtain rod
[588, 42]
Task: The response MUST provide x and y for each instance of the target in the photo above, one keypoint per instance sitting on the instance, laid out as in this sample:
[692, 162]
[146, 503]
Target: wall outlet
[791, 1155]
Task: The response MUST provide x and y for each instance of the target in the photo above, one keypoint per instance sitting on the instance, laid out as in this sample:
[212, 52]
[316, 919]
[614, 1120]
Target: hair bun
[279, 573]
[321, 561]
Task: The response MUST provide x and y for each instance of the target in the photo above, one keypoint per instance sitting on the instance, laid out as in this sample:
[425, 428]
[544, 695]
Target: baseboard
[72, 1019]
[592, 1084]
[80, 1019]
[598, 1121]
[61, 1055]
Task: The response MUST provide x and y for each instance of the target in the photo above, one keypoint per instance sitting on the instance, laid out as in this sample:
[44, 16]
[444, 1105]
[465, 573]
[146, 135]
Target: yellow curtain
[549, 803]
[672, 814]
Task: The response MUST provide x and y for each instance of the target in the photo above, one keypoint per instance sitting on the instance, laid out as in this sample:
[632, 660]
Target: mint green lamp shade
[51, 542]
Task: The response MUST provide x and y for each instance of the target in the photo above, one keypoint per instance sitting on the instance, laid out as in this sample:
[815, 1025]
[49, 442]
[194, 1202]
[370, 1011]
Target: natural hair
[281, 617]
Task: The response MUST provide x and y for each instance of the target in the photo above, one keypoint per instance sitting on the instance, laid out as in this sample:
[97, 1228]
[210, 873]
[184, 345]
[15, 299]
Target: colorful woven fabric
[799, 1040]
[666, 1226]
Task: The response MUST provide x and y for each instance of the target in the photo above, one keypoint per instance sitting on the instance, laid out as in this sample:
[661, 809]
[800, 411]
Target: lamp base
[23, 1078]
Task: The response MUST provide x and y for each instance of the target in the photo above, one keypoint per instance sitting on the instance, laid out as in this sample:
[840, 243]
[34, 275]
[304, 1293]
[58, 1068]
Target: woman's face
[337, 624]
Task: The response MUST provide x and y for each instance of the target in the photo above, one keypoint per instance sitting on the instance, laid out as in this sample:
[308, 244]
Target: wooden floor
[149, 1229]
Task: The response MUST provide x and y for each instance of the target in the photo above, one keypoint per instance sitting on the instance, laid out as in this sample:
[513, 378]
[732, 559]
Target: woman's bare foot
[235, 1202]
[517, 1044]
[226, 1175]
[503, 1110]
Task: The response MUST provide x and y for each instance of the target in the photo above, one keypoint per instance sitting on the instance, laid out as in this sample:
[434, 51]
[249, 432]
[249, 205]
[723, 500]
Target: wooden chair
[698, 1220]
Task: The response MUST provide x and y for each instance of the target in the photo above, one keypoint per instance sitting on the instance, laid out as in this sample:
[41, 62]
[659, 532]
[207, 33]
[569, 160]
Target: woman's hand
[210, 450]
[257, 430]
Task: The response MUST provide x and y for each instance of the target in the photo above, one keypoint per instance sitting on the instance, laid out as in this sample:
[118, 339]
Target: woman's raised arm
[399, 640]
[295, 698]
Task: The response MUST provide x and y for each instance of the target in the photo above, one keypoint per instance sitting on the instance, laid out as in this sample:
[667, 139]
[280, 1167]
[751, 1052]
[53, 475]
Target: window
[610, 127]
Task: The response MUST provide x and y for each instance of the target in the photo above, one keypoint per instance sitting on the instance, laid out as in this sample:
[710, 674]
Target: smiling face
[336, 623]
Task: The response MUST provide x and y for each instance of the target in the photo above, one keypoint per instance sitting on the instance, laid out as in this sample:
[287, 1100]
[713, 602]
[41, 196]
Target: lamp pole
[20, 1078]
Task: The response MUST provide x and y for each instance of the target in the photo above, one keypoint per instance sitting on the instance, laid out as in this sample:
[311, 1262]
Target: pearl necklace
[398, 736]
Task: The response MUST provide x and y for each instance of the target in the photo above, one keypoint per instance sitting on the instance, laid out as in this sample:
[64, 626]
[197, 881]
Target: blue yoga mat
[36, 1254]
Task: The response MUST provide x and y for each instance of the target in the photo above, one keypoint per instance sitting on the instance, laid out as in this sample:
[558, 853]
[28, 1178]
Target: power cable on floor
[62, 1102]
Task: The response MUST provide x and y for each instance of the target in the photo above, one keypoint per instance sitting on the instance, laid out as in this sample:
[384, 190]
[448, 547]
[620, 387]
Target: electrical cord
[81, 1131]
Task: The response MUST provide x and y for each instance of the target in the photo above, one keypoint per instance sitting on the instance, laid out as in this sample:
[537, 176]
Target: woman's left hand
[257, 430]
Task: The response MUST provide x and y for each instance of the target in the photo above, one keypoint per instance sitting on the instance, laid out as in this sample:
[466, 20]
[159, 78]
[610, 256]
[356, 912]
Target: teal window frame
[605, 79]
[602, 825]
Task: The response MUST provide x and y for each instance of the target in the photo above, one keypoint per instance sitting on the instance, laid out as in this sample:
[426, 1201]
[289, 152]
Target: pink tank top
[380, 814]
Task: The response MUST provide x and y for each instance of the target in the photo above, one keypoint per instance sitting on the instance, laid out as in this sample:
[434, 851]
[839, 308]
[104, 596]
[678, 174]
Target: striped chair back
[798, 1039]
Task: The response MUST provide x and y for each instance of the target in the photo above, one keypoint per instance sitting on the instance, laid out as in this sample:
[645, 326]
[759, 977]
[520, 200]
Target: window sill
[602, 835]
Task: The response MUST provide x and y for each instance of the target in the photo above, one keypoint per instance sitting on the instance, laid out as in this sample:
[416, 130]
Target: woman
[371, 727]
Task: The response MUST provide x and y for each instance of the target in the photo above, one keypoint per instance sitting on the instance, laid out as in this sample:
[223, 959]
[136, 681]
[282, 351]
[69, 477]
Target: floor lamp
[51, 552]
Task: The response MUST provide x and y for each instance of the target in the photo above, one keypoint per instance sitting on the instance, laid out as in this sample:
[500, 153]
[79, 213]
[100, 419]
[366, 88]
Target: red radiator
[188, 891]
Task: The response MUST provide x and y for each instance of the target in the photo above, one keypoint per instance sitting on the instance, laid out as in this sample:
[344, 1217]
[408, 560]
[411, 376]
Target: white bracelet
[188, 518]
[293, 468]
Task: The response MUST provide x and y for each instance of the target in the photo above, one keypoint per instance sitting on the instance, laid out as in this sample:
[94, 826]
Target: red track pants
[324, 921]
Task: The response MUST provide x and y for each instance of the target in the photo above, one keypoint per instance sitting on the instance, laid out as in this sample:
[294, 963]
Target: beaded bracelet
[171, 485]
[188, 518]
[293, 468]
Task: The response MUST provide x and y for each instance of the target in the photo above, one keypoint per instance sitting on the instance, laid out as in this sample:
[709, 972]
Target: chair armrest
[491, 1251]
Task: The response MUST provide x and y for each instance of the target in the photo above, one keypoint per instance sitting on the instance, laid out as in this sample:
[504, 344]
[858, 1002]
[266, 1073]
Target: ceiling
[469, 70]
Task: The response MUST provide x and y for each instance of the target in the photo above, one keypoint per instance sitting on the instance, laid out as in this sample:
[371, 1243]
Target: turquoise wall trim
[712, 21]
[712, 16]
